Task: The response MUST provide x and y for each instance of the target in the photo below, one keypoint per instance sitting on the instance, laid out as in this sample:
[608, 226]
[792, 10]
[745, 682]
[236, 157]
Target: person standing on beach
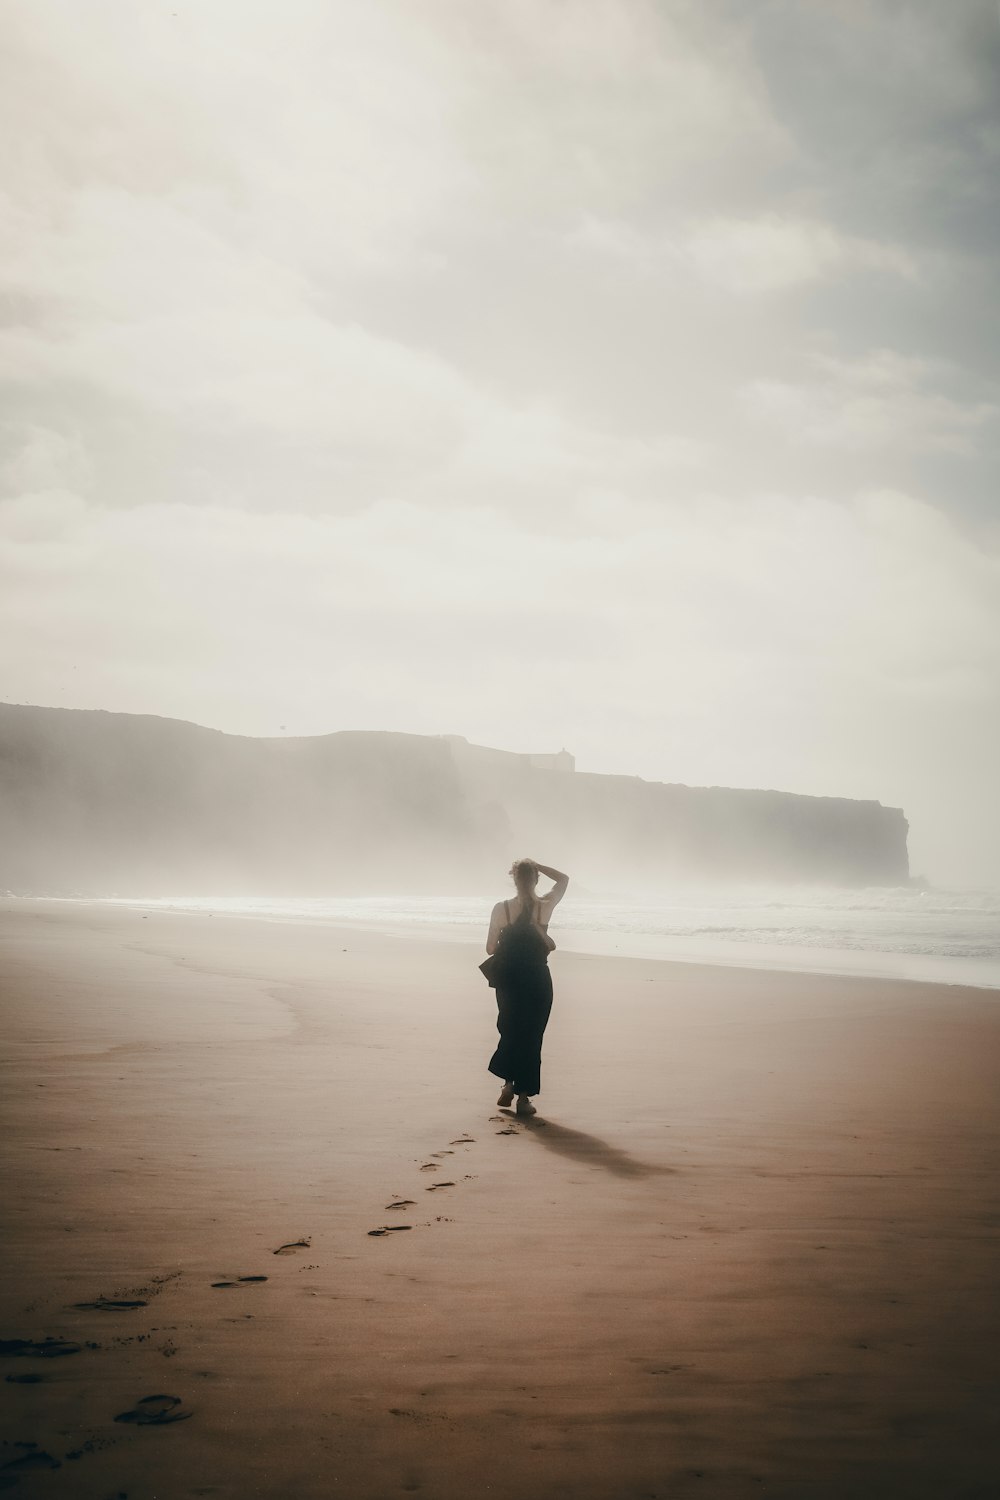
[524, 992]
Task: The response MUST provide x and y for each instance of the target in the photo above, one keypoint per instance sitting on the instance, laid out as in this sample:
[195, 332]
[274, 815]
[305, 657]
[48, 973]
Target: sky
[611, 375]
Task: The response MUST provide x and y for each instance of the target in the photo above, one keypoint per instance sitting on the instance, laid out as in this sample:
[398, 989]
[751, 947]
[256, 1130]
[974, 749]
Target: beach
[749, 1244]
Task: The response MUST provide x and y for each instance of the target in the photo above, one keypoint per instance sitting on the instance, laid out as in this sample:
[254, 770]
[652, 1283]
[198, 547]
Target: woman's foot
[506, 1095]
[525, 1106]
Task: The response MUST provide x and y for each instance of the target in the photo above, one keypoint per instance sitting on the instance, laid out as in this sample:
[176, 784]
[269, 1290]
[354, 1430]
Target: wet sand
[748, 1247]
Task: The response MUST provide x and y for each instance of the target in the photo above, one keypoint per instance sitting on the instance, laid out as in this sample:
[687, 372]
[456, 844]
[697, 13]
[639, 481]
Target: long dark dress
[524, 1002]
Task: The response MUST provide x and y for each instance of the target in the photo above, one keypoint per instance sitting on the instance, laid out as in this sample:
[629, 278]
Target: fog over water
[618, 376]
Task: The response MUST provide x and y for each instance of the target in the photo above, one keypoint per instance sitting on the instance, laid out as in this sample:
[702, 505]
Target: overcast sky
[606, 374]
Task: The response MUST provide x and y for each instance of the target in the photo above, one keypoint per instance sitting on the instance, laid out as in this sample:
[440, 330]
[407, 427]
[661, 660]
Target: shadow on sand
[588, 1149]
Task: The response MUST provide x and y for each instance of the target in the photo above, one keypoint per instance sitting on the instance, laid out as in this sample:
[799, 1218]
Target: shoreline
[864, 963]
[750, 1245]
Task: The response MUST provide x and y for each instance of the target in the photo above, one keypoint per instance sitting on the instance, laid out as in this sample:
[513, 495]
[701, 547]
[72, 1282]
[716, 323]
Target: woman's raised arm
[558, 890]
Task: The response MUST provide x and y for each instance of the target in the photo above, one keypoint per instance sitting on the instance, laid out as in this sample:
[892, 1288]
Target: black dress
[524, 1001]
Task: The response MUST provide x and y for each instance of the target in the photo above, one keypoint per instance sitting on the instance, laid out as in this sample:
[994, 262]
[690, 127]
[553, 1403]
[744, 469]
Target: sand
[748, 1247]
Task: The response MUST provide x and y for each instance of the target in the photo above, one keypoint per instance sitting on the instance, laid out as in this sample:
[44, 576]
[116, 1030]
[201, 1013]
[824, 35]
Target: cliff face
[100, 803]
[610, 827]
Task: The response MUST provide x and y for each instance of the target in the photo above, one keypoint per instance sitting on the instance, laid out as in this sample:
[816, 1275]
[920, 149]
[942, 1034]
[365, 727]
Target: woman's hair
[524, 873]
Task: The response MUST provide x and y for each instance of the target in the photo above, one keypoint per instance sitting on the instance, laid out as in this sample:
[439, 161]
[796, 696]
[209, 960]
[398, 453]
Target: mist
[105, 804]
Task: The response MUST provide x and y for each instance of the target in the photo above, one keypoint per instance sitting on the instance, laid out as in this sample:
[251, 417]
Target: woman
[524, 993]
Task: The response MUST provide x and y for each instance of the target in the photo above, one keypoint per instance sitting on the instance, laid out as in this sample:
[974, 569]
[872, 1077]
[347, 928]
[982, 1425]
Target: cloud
[234, 350]
[746, 257]
[894, 112]
[882, 399]
[931, 611]
[773, 253]
[321, 138]
[688, 600]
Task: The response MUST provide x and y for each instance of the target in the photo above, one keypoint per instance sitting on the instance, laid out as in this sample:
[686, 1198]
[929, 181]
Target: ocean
[941, 936]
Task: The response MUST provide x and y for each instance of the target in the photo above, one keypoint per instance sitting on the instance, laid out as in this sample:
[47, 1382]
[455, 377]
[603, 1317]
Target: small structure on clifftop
[561, 761]
[466, 754]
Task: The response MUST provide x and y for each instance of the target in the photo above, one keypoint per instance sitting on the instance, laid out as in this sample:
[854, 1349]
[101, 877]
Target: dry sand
[749, 1247]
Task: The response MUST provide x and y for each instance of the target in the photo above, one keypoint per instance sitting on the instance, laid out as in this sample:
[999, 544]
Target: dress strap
[506, 911]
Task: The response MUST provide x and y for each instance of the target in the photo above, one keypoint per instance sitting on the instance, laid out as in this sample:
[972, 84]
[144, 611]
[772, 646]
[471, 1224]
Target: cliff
[102, 803]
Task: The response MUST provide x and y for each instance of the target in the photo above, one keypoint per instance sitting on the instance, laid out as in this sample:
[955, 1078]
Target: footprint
[495, 1118]
[156, 1282]
[33, 1459]
[401, 1203]
[431, 1166]
[508, 1130]
[442, 1153]
[238, 1280]
[292, 1246]
[155, 1411]
[435, 1185]
[25, 1379]
[91, 1445]
[109, 1304]
[389, 1229]
[37, 1348]
[464, 1140]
